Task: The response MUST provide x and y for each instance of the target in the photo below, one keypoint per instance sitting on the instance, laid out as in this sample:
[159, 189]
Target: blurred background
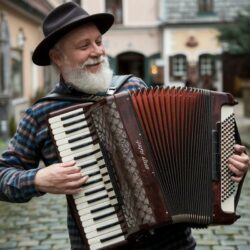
[198, 43]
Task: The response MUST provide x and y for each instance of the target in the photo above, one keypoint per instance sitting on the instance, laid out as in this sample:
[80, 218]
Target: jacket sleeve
[19, 163]
[133, 83]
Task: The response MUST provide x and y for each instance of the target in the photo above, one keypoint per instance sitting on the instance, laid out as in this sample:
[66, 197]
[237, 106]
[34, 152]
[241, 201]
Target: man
[73, 44]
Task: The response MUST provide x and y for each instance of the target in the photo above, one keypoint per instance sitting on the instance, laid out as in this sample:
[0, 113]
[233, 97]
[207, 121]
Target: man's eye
[99, 42]
[83, 47]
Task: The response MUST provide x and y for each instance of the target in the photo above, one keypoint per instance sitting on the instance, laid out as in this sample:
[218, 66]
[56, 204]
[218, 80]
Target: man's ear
[56, 57]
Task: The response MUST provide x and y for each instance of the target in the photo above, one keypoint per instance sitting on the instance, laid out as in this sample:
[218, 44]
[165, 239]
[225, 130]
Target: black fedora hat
[63, 19]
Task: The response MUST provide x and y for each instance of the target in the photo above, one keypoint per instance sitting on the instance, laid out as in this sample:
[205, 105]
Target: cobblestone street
[39, 224]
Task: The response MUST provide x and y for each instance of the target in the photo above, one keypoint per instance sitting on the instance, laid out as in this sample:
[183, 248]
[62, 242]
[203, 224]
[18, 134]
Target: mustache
[93, 61]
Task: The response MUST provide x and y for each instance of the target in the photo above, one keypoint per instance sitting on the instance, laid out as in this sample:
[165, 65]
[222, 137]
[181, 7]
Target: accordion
[154, 157]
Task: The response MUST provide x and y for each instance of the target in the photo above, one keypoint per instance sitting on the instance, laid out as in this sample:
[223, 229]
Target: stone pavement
[38, 225]
[41, 223]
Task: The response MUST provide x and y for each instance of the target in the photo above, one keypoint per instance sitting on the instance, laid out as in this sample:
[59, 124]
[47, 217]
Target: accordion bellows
[155, 157]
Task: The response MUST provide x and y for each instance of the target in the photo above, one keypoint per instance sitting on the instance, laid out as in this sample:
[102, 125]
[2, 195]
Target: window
[206, 65]
[179, 65]
[16, 73]
[4, 53]
[115, 7]
[205, 6]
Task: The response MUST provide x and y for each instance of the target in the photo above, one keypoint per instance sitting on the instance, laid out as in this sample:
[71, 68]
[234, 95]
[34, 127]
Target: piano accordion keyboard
[96, 203]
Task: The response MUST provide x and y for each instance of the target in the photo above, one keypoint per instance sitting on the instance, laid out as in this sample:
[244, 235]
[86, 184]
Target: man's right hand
[60, 178]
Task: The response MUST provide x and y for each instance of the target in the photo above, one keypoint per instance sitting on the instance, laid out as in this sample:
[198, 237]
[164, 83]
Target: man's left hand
[239, 162]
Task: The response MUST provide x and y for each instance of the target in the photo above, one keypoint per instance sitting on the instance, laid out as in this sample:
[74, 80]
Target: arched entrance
[131, 63]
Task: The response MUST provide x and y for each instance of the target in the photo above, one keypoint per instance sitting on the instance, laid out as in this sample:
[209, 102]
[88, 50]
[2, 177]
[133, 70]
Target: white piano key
[85, 205]
[88, 189]
[59, 117]
[90, 170]
[94, 242]
[94, 233]
[81, 151]
[99, 185]
[94, 207]
[65, 141]
[61, 129]
[63, 135]
[87, 216]
[73, 155]
[109, 243]
[92, 219]
[60, 123]
[99, 225]
[81, 197]
[101, 162]
[94, 196]
[93, 178]
[68, 145]
[86, 162]
[106, 178]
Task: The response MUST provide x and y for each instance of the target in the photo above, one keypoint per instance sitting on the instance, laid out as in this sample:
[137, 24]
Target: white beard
[90, 83]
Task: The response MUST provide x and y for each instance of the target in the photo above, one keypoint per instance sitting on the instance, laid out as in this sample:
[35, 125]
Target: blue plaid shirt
[31, 144]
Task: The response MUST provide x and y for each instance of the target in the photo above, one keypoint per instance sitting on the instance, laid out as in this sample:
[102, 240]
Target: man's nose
[97, 50]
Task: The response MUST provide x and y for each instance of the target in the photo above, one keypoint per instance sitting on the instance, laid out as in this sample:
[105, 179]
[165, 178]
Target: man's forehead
[84, 31]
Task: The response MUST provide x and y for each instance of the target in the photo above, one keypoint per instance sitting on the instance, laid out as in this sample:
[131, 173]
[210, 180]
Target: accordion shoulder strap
[117, 82]
[59, 97]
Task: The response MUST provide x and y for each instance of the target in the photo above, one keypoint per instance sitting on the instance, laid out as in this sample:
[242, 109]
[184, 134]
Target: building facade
[169, 42]
[192, 53]
[20, 79]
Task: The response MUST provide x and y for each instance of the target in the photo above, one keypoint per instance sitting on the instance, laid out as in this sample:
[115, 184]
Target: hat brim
[40, 56]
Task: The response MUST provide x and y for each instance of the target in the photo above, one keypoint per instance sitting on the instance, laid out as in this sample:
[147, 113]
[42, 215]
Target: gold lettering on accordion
[141, 151]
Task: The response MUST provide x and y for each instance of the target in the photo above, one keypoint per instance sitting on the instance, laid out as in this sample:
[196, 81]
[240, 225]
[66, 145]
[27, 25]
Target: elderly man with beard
[73, 44]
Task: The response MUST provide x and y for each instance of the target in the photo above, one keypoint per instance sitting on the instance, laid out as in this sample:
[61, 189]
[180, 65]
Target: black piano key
[100, 208]
[97, 199]
[72, 115]
[81, 146]
[94, 173]
[65, 125]
[107, 182]
[75, 129]
[110, 189]
[102, 166]
[107, 226]
[99, 158]
[86, 155]
[93, 163]
[92, 182]
[94, 191]
[103, 216]
[81, 137]
[112, 237]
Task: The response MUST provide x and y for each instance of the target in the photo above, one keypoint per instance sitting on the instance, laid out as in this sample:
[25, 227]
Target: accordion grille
[130, 192]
